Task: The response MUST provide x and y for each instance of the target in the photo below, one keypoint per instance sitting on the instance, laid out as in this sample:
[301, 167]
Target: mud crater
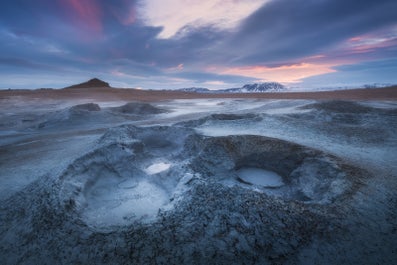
[130, 178]
[276, 167]
[138, 172]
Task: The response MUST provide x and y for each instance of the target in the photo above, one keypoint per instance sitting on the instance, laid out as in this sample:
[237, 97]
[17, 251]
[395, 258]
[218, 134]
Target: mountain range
[248, 88]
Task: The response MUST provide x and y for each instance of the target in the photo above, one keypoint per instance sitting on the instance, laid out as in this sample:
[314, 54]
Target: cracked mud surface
[138, 194]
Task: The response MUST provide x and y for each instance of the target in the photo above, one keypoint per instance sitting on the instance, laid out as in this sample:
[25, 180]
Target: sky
[170, 44]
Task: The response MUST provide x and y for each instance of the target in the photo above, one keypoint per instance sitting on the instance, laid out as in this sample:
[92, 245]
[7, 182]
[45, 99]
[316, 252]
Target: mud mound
[347, 121]
[74, 115]
[85, 107]
[165, 140]
[233, 117]
[221, 118]
[138, 108]
[339, 106]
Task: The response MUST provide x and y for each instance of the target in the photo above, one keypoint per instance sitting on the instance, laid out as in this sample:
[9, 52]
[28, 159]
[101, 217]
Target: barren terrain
[104, 175]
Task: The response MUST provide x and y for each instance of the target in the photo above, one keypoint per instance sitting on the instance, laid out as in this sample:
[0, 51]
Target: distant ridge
[259, 88]
[248, 88]
[95, 82]
[195, 89]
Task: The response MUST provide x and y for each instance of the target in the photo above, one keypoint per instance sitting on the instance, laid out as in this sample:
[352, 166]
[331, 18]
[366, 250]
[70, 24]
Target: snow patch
[157, 168]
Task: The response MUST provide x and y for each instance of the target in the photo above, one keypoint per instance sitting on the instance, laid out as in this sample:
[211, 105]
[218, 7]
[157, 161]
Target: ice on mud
[258, 176]
[157, 168]
[109, 204]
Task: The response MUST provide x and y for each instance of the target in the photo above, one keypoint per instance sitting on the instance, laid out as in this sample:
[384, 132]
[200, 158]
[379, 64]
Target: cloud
[289, 29]
[87, 14]
[200, 77]
[384, 40]
[196, 42]
[176, 15]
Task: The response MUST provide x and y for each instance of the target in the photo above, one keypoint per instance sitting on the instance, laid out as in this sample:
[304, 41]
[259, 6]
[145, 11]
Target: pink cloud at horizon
[284, 74]
[363, 47]
[368, 43]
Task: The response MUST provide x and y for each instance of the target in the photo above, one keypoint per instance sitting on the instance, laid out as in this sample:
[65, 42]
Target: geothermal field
[90, 179]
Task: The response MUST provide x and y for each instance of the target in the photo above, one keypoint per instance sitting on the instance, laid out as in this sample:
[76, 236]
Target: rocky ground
[159, 183]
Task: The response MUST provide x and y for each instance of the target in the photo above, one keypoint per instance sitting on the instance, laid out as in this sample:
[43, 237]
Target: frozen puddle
[127, 179]
[261, 177]
[118, 203]
[157, 168]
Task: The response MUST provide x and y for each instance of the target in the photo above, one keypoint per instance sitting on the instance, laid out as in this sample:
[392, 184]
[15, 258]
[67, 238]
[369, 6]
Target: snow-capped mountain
[195, 89]
[259, 88]
[248, 88]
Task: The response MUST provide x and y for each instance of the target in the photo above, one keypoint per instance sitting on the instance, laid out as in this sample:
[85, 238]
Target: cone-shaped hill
[95, 82]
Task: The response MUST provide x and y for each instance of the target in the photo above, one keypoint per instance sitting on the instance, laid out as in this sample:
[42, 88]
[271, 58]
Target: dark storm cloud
[287, 29]
[31, 22]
